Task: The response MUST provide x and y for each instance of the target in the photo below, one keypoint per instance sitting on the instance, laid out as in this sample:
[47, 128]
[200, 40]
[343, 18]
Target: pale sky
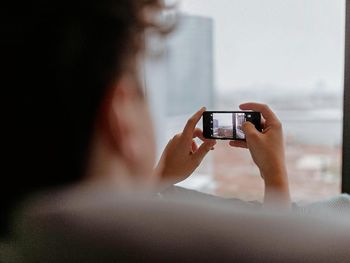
[224, 119]
[293, 44]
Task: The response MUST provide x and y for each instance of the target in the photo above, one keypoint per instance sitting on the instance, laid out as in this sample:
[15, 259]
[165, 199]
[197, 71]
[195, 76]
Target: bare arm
[182, 155]
[267, 150]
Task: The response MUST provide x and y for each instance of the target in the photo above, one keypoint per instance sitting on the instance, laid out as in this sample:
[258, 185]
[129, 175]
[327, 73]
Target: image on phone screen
[228, 125]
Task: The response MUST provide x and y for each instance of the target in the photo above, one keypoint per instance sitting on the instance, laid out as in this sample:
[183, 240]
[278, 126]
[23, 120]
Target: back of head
[59, 57]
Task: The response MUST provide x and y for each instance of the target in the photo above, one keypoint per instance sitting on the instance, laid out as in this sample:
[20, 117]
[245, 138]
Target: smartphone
[227, 125]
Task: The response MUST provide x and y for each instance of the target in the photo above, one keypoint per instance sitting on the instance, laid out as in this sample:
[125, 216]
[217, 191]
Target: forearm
[277, 189]
[162, 181]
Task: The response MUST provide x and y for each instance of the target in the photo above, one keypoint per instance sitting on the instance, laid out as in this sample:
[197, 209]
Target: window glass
[287, 54]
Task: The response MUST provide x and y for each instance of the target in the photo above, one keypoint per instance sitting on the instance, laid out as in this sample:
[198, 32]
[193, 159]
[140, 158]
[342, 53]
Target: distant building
[215, 123]
[181, 80]
[189, 67]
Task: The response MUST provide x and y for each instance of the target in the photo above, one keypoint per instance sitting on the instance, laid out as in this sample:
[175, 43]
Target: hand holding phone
[267, 150]
[227, 125]
[182, 155]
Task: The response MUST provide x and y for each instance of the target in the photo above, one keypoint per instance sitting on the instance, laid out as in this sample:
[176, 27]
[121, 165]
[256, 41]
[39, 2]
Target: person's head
[73, 100]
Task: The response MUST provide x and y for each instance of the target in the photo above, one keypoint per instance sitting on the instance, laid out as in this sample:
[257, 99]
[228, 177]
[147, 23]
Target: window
[288, 54]
[346, 126]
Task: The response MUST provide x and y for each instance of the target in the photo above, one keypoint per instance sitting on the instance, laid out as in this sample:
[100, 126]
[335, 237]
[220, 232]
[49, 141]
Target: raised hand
[182, 155]
[267, 150]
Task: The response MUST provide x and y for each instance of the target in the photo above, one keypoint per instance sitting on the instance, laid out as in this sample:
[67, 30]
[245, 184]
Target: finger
[203, 150]
[192, 122]
[250, 131]
[263, 108]
[239, 144]
[198, 133]
[263, 123]
[194, 146]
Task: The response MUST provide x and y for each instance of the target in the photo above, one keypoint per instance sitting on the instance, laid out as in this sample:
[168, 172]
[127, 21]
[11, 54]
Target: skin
[267, 151]
[179, 159]
[182, 155]
[123, 147]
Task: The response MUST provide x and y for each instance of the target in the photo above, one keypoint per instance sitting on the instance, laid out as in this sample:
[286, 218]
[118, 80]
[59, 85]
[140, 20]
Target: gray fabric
[185, 194]
[337, 205]
[90, 226]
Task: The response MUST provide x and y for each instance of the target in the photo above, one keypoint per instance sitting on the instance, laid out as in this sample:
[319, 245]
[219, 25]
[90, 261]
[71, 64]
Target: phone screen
[226, 125]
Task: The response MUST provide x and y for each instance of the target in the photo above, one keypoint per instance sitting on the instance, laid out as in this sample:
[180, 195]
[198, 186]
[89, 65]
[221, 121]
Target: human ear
[128, 127]
[122, 119]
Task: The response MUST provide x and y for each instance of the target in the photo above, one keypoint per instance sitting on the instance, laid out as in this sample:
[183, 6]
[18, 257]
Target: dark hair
[59, 58]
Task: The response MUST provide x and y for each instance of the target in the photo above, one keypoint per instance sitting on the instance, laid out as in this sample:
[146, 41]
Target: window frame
[346, 119]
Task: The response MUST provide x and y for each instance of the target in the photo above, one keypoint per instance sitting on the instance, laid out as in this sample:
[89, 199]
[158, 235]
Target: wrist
[276, 179]
[277, 194]
[276, 187]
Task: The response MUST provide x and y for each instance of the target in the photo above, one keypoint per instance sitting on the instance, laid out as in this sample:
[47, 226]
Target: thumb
[250, 131]
[203, 150]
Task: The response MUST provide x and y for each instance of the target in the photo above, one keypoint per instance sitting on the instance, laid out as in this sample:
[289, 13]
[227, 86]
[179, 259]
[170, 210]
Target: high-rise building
[190, 66]
[181, 80]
